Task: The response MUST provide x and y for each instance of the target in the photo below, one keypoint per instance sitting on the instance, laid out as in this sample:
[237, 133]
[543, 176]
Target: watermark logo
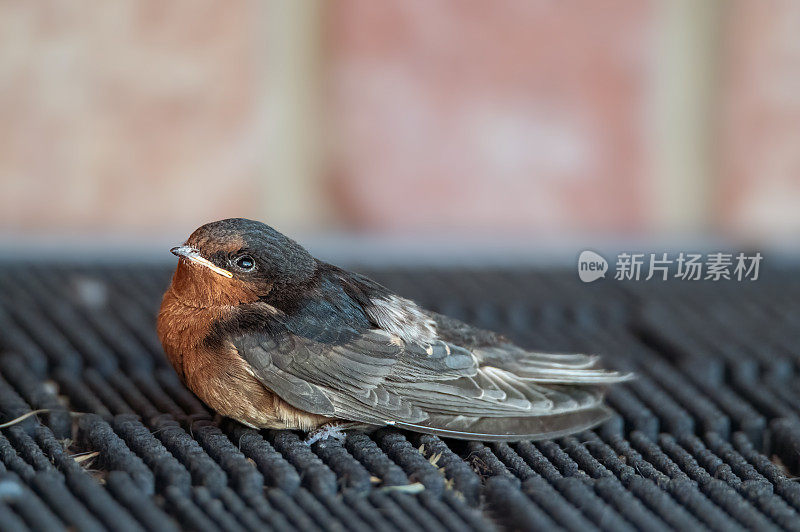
[591, 266]
[681, 266]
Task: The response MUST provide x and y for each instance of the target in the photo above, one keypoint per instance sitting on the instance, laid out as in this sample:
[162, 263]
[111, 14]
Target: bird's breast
[182, 327]
[219, 376]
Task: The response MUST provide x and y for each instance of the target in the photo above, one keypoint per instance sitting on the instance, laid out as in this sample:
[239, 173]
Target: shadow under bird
[268, 335]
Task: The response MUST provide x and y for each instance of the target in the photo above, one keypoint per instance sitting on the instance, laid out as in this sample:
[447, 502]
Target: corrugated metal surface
[706, 437]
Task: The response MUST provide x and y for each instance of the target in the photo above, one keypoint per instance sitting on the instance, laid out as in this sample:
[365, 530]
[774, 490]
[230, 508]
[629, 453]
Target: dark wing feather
[349, 374]
[258, 351]
[512, 428]
[494, 350]
[482, 390]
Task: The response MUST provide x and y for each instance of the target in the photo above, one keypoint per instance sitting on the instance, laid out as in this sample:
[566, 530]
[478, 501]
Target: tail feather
[547, 367]
[511, 429]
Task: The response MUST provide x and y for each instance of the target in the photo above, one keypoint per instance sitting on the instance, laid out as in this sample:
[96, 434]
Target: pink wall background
[518, 117]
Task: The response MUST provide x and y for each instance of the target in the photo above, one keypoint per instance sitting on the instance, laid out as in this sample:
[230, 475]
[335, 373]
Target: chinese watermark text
[717, 266]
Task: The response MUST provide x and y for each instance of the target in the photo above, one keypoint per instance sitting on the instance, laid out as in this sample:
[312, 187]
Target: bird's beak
[193, 255]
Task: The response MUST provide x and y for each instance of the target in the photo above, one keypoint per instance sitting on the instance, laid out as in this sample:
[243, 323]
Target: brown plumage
[197, 299]
[264, 333]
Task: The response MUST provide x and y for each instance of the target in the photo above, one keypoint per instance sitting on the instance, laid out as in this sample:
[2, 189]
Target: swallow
[264, 333]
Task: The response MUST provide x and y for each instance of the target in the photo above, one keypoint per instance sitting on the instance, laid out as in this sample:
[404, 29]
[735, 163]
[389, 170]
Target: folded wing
[485, 388]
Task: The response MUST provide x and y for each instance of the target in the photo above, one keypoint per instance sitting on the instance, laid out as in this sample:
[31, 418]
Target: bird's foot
[328, 430]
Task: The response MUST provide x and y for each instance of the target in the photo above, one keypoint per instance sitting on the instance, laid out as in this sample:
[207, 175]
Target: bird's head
[236, 261]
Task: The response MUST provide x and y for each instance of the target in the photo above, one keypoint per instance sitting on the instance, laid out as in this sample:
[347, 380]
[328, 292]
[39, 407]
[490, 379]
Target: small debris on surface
[412, 489]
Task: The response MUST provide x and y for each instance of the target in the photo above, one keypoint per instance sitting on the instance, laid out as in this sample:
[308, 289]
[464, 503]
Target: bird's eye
[245, 263]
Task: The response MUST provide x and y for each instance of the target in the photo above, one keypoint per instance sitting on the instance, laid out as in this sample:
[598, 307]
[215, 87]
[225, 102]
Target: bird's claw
[329, 430]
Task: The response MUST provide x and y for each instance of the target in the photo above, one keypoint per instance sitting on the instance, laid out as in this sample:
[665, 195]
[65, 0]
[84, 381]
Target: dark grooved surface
[707, 437]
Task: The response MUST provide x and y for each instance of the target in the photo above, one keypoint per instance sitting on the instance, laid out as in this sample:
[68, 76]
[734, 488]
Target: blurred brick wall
[759, 126]
[127, 115]
[476, 115]
[529, 116]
